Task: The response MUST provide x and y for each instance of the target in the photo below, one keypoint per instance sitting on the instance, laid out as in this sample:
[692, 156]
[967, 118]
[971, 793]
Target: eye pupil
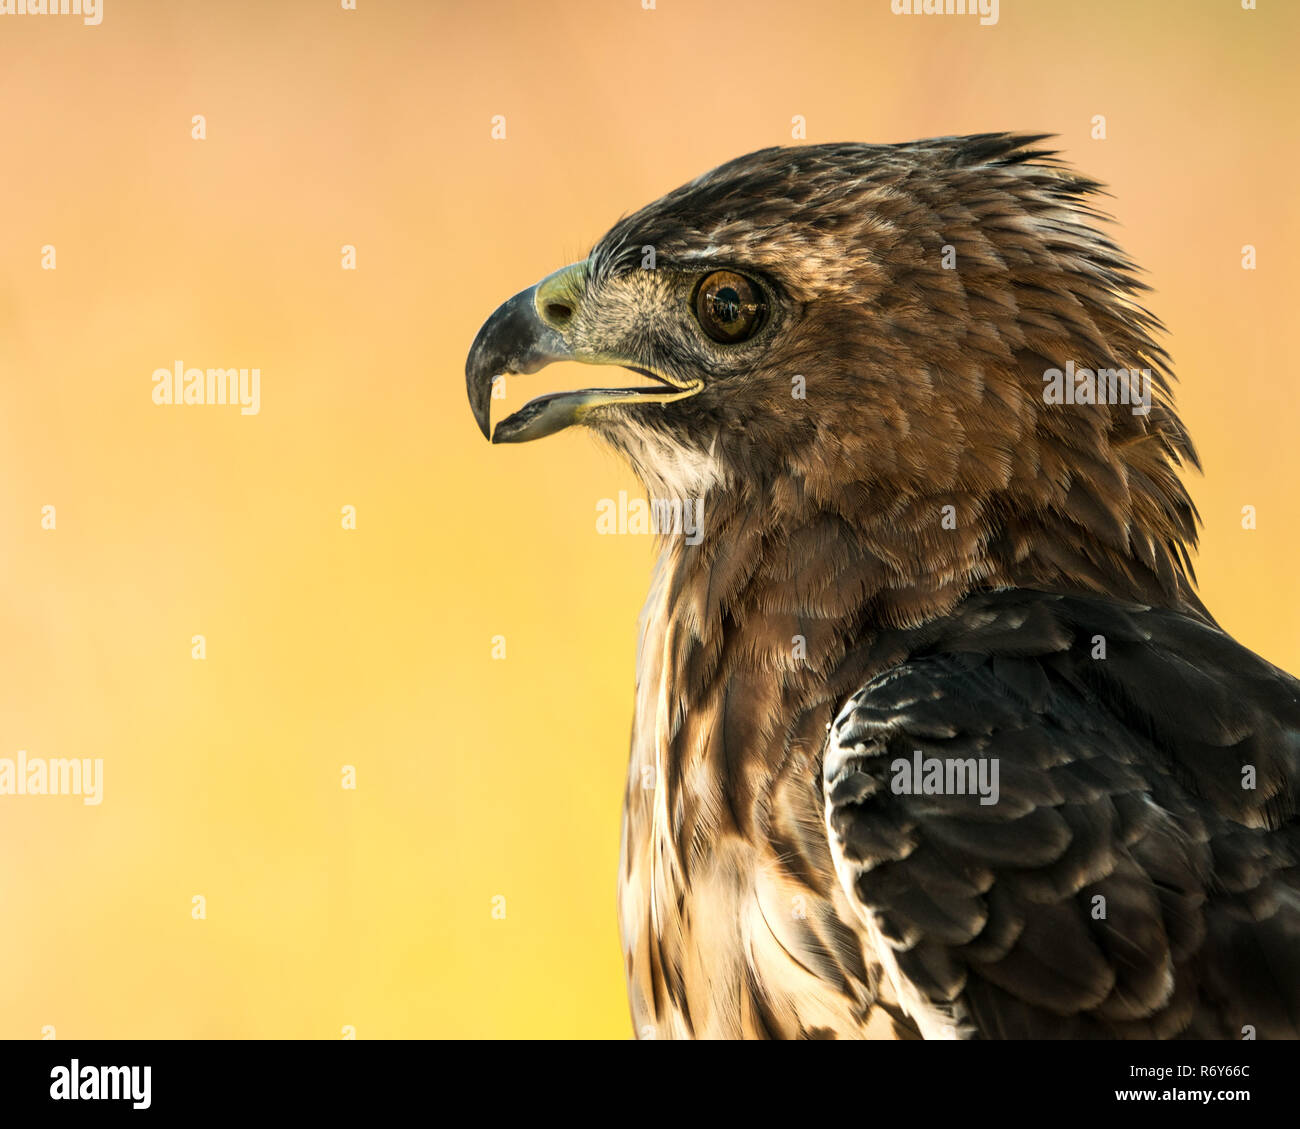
[726, 305]
[729, 307]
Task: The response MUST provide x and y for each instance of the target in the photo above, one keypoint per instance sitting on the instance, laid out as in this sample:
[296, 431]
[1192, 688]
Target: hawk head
[871, 332]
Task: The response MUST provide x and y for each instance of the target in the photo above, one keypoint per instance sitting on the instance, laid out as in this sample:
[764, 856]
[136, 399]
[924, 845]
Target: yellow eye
[729, 307]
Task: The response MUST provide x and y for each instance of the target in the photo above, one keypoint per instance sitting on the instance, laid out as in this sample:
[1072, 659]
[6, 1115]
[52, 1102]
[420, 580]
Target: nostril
[557, 313]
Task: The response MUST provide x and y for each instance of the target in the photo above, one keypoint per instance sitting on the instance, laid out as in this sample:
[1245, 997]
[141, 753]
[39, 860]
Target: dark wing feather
[1128, 882]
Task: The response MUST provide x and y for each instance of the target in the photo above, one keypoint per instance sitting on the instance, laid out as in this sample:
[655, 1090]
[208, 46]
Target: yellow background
[326, 647]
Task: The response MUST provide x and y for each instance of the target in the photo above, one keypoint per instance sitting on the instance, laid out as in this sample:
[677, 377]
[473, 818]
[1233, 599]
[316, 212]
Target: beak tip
[514, 339]
[478, 383]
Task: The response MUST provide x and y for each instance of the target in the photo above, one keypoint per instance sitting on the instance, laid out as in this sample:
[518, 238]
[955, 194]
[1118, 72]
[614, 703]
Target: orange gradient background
[476, 777]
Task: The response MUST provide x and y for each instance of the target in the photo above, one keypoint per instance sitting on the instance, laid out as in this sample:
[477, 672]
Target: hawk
[933, 737]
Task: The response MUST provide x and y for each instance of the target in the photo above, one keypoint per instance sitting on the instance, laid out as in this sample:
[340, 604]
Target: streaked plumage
[919, 555]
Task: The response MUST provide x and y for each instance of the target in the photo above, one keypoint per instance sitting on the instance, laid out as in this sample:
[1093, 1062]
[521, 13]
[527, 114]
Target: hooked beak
[529, 332]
